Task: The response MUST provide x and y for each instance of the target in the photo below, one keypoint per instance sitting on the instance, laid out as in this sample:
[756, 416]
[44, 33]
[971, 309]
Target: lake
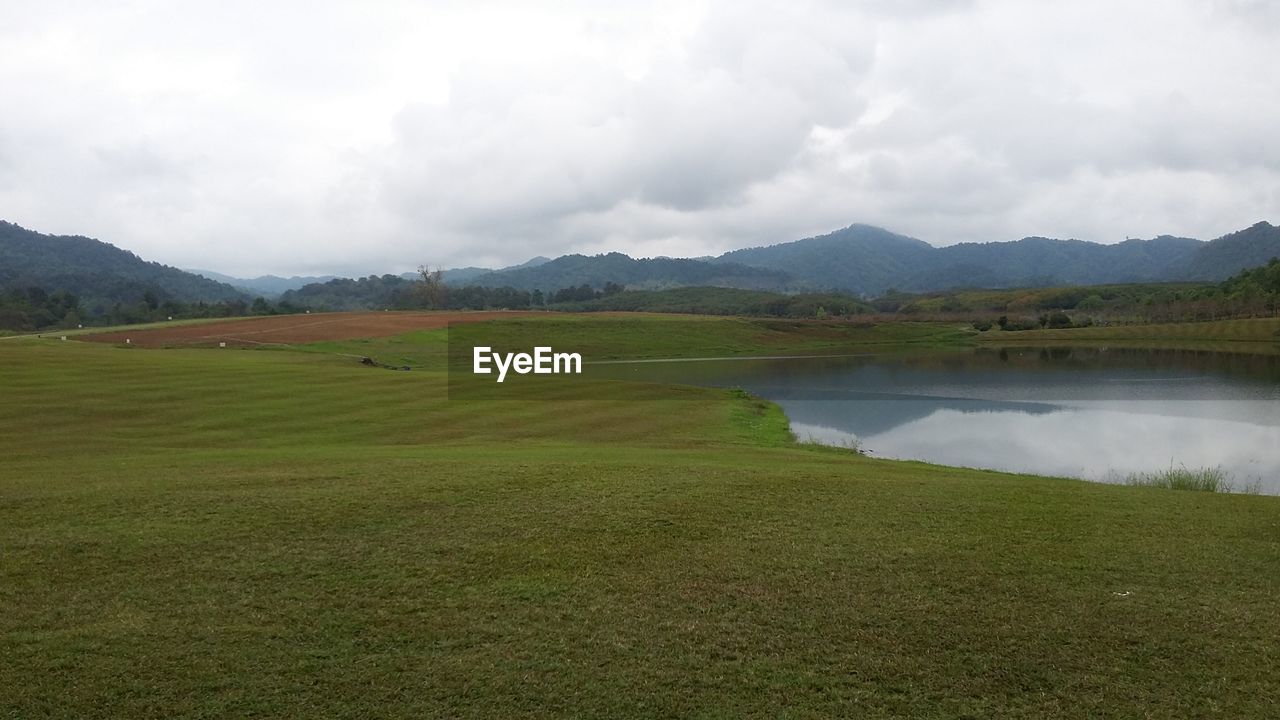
[1092, 413]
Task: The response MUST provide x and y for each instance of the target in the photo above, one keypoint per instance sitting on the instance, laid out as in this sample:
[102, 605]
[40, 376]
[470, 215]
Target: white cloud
[360, 137]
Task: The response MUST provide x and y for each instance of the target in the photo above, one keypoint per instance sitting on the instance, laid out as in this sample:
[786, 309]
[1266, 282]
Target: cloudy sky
[357, 137]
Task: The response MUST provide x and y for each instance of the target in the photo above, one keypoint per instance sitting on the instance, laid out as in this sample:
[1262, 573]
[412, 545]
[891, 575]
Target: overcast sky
[314, 137]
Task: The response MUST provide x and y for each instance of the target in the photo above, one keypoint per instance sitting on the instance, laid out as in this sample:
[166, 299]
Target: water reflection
[1092, 413]
[1094, 444]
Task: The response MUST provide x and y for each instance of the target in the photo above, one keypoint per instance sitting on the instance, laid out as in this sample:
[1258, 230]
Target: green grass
[1013, 301]
[1212, 479]
[198, 533]
[1198, 480]
[604, 337]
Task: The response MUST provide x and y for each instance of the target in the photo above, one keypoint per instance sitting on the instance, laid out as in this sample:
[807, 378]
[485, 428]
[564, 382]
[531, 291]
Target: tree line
[1251, 293]
[28, 309]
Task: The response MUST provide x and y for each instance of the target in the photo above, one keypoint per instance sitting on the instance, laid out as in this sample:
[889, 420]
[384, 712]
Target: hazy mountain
[97, 272]
[870, 260]
[531, 262]
[455, 276]
[463, 275]
[655, 273]
[270, 286]
[860, 259]
[273, 286]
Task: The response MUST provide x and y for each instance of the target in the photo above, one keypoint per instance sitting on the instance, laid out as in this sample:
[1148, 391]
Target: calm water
[1091, 413]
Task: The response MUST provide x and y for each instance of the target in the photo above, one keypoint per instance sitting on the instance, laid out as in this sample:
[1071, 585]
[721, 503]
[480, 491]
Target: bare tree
[432, 288]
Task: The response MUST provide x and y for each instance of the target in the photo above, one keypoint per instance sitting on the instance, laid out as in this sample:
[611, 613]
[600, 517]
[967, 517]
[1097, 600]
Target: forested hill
[860, 258]
[870, 261]
[1229, 254]
[655, 273]
[367, 293]
[98, 273]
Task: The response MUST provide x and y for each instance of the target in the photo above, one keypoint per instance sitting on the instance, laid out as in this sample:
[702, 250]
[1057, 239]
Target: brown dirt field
[289, 329]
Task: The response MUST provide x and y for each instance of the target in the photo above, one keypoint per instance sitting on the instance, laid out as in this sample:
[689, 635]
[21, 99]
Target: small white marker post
[222, 344]
[127, 341]
[64, 337]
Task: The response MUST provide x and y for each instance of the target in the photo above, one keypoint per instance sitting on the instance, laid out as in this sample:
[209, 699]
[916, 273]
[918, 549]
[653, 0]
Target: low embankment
[1259, 330]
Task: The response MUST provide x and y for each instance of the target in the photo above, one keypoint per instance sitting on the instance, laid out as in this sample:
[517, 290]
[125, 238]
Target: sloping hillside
[1234, 252]
[870, 260]
[861, 258]
[95, 271]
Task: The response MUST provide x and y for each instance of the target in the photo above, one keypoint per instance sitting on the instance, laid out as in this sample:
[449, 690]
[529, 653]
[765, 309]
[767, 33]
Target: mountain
[273, 286]
[98, 273]
[269, 286]
[870, 260]
[464, 275]
[1039, 261]
[861, 258]
[1232, 253]
[653, 273]
[534, 261]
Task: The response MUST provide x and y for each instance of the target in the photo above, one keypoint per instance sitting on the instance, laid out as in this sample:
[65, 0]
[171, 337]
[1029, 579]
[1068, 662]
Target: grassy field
[232, 533]
[608, 337]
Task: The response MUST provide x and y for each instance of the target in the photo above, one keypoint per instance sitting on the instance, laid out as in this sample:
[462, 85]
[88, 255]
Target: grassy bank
[195, 533]
[1260, 330]
[1182, 478]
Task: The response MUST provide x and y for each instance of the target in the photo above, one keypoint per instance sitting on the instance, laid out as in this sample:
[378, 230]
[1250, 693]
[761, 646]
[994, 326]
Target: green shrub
[1212, 479]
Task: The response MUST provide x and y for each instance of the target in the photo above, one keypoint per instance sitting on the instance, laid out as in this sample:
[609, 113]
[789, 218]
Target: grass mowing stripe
[195, 533]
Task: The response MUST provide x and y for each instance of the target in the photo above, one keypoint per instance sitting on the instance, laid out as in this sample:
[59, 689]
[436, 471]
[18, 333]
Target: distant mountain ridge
[860, 259]
[652, 273]
[273, 286]
[269, 286]
[463, 275]
[869, 260]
